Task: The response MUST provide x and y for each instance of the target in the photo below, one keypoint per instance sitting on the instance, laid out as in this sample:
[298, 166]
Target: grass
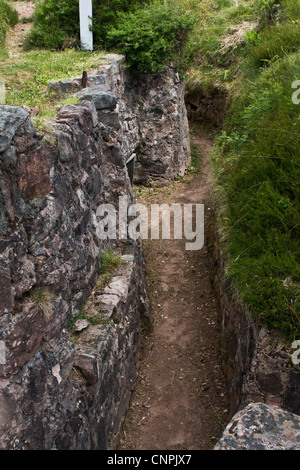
[27, 76]
[257, 175]
[43, 299]
[110, 260]
[92, 319]
[211, 65]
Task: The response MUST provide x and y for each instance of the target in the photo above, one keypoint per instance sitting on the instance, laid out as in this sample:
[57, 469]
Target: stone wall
[150, 114]
[262, 379]
[65, 384]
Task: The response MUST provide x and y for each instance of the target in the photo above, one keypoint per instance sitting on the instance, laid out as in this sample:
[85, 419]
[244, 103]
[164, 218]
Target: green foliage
[105, 14]
[273, 43]
[8, 14]
[149, 35]
[152, 37]
[196, 156]
[257, 168]
[56, 22]
[279, 36]
[8, 18]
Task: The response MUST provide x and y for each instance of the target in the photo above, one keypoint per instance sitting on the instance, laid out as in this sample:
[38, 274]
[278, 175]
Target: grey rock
[113, 57]
[65, 146]
[117, 287]
[110, 119]
[65, 87]
[100, 95]
[10, 156]
[81, 324]
[261, 427]
[96, 79]
[11, 119]
[6, 297]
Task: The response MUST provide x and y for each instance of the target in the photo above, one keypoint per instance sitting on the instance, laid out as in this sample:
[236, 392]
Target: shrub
[152, 37]
[279, 37]
[109, 261]
[56, 22]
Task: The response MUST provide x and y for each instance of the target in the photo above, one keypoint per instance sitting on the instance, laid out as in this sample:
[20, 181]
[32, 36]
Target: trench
[180, 400]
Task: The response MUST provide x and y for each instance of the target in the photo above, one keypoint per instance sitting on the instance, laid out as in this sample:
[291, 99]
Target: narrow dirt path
[180, 400]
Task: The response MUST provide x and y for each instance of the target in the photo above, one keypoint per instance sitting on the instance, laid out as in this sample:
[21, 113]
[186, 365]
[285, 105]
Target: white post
[2, 93]
[85, 15]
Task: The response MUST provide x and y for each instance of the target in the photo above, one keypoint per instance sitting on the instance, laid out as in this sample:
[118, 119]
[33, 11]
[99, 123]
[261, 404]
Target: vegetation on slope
[257, 171]
[8, 18]
[150, 35]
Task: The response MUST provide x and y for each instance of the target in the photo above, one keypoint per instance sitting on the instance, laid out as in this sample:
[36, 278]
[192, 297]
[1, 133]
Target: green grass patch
[28, 74]
[277, 39]
[56, 22]
[110, 260]
[8, 18]
[257, 173]
[196, 158]
[212, 65]
[92, 319]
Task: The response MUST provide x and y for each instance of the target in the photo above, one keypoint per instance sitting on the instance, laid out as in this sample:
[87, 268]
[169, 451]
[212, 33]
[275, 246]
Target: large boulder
[261, 427]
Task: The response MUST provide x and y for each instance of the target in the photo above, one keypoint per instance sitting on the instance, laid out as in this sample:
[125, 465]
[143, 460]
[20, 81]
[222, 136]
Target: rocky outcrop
[261, 427]
[150, 114]
[164, 148]
[61, 386]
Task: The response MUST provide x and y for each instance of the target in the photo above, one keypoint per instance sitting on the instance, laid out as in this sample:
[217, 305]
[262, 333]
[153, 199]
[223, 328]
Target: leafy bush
[149, 35]
[279, 37]
[8, 17]
[56, 22]
[106, 13]
[153, 36]
[274, 43]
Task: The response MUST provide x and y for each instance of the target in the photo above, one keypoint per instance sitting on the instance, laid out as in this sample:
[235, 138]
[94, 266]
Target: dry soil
[180, 400]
